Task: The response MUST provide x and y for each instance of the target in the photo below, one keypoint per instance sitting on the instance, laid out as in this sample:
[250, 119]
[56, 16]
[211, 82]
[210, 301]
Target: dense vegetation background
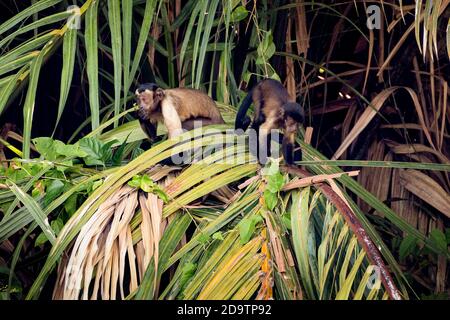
[85, 213]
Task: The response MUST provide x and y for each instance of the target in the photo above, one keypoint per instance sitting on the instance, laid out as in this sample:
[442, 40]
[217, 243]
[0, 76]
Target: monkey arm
[294, 115]
[288, 150]
[288, 143]
[172, 120]
[264, 137]
[149, 129]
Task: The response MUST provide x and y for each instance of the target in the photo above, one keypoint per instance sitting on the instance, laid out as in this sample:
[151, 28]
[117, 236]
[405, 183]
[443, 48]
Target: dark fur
[272, 111]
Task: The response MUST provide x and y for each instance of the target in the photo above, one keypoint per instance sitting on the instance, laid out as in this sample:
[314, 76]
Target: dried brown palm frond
[104, 261]
[380, 186]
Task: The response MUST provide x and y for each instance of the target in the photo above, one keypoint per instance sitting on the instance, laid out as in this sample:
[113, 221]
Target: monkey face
[145, 102]
[148, 97]
[290, 125]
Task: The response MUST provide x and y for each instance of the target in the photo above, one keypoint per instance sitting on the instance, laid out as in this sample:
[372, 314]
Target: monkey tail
[242, 120]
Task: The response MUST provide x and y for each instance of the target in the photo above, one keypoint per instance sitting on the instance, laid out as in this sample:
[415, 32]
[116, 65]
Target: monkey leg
[253, 139]
[291, 152]
[264, 145]
[288, 150]
[264, 140]
[288, 143]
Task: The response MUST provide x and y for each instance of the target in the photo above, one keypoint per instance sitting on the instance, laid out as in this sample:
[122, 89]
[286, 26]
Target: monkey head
[295, 112]
[290, 125]
[148, 97]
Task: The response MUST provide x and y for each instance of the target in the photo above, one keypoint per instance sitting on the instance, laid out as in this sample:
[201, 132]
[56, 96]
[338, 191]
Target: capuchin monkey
[177, 108]
[272, 111]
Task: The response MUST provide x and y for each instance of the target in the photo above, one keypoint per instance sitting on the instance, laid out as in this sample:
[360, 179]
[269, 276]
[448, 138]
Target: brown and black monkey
[272, 111]
[177, 108]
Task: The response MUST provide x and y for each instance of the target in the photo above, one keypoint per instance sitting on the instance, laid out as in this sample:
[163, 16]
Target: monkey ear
[159, 93]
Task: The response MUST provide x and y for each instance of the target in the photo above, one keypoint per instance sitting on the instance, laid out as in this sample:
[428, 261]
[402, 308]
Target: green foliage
[97, 152]
[439, 239]
[71, 204]
[38, 197]
[92, 151]
[55, 150]
[270, 199]
[56, 226]
[275, 182]
[247, 227]
[53, 190]
[9, 287]
[407, 247]
[239, 14]
[188, 272]
[218, 236]
[146, 184]
[203, 239]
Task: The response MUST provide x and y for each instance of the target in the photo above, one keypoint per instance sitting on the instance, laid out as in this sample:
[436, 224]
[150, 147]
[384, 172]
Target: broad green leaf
[135, 182]
[55, 188]
[67, 150]
[270, 199]
[407, 246]
[239, 14]
[247, 227]
[54, 150]
[70, 205]
[188, 272]
[147, 184]
[44, 146]
[275, 182]
[218, 236]
[203, 238]
[439, 239]
[96, 153]
[119, 154]
[36, 176]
